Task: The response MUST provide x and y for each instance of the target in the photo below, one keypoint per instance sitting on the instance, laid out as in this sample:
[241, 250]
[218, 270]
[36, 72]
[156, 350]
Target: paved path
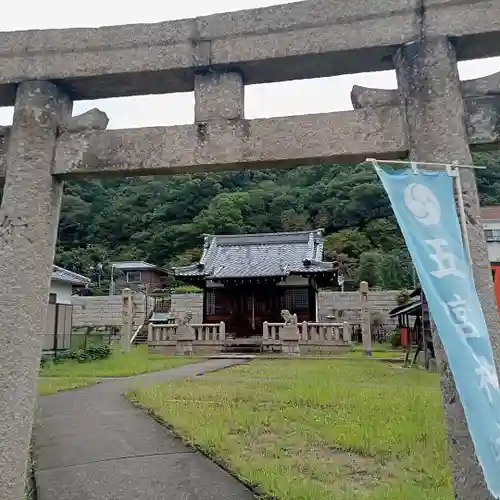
[91, 444]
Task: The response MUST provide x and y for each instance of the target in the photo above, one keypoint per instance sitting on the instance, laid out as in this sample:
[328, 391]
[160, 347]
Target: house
[64, 283]
[248, 279]
[490, 216]
[59, 319]
[136, 275]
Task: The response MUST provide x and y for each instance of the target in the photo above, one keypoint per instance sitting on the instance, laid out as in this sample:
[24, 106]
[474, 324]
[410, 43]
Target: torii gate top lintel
[309, 39]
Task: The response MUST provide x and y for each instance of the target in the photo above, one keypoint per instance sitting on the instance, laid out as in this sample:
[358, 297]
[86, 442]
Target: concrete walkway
[91, 444]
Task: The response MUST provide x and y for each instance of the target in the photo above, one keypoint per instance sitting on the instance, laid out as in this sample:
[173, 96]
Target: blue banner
[425, 208]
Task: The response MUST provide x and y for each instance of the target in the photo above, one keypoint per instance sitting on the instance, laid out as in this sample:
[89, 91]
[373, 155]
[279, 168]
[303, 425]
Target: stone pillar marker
[365, 319]
[128, 319]
[429, 85]
[29, 218]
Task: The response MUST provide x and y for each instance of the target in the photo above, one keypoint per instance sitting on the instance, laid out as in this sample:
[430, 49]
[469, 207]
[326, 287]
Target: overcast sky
[279, 99]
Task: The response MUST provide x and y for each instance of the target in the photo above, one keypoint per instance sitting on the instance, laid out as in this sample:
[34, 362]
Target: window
[210, 304]
[217, 303]
[492, 234]
[296, 299]
[52, 298]
[133, 276]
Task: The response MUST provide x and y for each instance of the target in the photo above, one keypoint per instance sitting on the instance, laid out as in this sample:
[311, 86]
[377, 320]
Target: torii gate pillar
[429, 85]
[28, 229]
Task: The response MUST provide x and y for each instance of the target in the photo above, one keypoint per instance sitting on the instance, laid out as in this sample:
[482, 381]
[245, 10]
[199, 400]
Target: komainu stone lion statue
[186, 319]
[290, 319]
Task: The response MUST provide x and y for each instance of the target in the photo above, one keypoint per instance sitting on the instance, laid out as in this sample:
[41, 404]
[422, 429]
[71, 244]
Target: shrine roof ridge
[264, 238]
[260, 255]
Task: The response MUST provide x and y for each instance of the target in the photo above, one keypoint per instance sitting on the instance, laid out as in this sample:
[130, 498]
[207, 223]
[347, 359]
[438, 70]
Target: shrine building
[248, 279]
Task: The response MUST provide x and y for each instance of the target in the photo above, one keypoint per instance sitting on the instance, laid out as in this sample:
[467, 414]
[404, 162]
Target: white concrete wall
[97, 311]
[62, 290]
[493, 246]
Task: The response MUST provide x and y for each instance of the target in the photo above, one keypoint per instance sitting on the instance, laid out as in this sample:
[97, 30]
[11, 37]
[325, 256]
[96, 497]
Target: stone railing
[209, 332]
[270, 331]
[161, 332]
[202, 332]
[312, 332]
[325, 332]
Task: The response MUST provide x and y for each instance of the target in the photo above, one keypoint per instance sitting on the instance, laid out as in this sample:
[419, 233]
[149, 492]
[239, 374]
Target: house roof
[259, 255]
[60, 274]
[490, 212]
[137, 265]
[408, 308]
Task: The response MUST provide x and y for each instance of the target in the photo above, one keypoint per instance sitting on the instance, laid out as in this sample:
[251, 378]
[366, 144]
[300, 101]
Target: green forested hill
[162, 219]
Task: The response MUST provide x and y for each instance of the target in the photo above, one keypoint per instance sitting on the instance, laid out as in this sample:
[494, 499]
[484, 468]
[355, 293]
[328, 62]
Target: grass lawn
[137, 361]
[316, 429]
[375, 354]
[51, 385]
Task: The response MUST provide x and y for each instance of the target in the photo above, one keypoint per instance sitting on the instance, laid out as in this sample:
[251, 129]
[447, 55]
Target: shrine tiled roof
[259, 255]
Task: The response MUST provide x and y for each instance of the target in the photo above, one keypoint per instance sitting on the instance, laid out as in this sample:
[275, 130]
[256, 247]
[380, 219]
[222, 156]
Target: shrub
[91, 354]
[187, 289]
[395, 338]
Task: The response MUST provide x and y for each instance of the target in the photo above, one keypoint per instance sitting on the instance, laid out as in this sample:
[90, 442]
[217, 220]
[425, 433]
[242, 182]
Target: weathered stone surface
[4, 137]
[428, 79]
[30, 215]
[375, 128]
[289, 333]
[486, 85]
[366, 97]
[218, 96]
[310, 39]
[93, 119]
[347, 136]
[473, 25]
[482, 107]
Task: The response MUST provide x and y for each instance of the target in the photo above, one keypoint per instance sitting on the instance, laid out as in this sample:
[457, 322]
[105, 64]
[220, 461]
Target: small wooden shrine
[415, 327]
[248, 279]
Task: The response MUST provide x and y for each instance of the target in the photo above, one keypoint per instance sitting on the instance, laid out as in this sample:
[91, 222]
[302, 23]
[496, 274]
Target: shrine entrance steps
[243, 345]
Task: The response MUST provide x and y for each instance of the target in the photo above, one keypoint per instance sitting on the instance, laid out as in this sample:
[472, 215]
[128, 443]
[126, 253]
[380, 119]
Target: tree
[163, 219]
[351, 242]
[370, 269]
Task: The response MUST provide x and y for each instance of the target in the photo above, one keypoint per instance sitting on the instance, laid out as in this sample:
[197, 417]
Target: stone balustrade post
[289, 340]
[334, 333]
[222, 331]
[265, 330]
[365, 318]
[150, 332]
[128, 319]
[346, 332]
[305, 333]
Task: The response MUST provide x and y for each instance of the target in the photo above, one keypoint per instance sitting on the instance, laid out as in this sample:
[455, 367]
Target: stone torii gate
[432, 117]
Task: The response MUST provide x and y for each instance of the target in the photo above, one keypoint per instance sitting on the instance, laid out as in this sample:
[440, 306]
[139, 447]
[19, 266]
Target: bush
[91, 354]
[187, 289]
[395, 338]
